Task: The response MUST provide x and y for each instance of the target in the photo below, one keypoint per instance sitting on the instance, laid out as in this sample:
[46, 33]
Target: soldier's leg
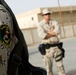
[58, 58]
[48, 63]
[60, 67]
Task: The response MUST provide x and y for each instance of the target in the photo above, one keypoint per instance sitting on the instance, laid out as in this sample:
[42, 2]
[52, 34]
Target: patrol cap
[46, 11]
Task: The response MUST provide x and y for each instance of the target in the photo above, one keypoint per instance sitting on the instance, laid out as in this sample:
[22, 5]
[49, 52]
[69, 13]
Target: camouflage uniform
[52, 52]
[7, 39]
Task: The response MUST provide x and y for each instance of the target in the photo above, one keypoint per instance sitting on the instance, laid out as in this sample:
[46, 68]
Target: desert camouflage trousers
[51, 54]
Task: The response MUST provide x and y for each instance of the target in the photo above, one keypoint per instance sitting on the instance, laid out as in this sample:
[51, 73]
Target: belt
[47, 46]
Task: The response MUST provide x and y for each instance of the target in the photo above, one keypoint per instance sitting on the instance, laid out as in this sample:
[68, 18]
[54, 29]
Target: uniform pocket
[57, 54]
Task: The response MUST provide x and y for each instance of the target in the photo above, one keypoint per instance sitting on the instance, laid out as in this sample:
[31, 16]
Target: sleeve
[42, 34]
[56, 28]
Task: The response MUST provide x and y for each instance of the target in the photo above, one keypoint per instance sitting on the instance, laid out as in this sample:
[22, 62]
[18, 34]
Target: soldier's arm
[50, 34]
[57, 28]
[54, 32]
[42, 34]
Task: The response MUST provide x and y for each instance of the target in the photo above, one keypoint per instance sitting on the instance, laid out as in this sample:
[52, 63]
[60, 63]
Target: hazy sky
[19, 6]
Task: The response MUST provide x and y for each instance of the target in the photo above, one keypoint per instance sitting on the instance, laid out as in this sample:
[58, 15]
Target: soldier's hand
[51, 33]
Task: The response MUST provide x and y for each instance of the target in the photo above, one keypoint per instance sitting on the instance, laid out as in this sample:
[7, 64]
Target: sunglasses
[47, 14]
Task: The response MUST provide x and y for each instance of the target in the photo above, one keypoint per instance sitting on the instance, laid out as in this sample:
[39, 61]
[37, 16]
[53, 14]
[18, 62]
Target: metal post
[61, 17]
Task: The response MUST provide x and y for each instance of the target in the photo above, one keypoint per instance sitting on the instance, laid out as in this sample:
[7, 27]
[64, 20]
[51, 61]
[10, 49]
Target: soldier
[51, 47]
[13, 48]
